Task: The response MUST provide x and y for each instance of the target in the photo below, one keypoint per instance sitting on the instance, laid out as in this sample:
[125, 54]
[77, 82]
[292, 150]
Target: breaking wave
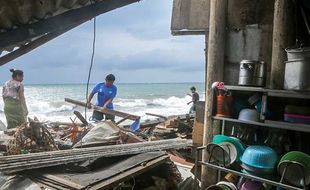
[172, 101]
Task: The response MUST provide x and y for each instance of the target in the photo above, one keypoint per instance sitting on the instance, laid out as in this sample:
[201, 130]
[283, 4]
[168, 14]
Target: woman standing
[15, 108]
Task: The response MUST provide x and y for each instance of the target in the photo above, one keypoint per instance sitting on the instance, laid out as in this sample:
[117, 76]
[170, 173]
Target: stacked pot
[297, 69]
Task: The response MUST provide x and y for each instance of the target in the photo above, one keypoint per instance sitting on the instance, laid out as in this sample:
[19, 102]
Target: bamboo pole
[214, 72]
[283, 36]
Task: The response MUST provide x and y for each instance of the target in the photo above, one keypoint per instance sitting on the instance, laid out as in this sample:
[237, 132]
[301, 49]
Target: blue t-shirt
[104, 93]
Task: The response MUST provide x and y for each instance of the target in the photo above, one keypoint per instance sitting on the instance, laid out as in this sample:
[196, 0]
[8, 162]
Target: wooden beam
[59, 22]
[104, 110]
[283, 37]
[214, 72]
[157, 115]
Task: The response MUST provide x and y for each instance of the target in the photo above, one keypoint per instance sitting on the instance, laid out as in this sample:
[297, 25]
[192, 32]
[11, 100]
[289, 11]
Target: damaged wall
[249, 30]
[190, 17]
[249, 35]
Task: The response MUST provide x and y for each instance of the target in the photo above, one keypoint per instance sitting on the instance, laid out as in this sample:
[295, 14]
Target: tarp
[103, 132]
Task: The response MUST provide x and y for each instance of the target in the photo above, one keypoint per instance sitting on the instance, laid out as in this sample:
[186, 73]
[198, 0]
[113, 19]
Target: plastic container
[249, 115]
[224, 106]
[224, 184]
[294, 171]
[218, 139]
[297, 118]
[224, 151]
[261, 157]
[252, 185]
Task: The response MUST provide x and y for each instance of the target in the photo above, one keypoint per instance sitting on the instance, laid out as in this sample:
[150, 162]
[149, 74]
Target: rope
[91, 63]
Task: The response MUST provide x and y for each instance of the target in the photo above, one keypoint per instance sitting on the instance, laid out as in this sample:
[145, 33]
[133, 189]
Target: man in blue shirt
[106, 92]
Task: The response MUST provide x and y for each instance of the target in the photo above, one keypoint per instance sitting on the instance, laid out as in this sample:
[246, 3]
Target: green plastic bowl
[218, 139]
[294, 172]
[297, 156]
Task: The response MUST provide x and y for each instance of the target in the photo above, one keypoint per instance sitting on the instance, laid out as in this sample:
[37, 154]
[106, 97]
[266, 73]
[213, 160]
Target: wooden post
[214, 72]
[283, 36]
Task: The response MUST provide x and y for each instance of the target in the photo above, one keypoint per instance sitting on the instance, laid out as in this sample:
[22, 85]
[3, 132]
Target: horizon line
[116, 83]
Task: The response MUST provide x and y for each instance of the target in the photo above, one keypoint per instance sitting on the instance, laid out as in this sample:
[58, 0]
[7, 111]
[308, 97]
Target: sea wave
[172, 101]
[61, 111]
[47, 107]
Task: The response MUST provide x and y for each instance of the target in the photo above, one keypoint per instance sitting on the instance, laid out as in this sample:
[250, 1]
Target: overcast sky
[133, 42]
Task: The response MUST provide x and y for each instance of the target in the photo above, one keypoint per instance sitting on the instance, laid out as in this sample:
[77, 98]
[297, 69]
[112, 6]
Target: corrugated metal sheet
[17, 13]
[14, 13]
[27, 24]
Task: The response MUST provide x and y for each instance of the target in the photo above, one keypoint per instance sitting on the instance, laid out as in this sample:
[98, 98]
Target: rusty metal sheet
[107, 176]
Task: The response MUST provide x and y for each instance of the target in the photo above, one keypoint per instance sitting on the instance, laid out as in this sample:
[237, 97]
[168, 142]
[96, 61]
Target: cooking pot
[252, 73]
[297, 53]
[297, 75]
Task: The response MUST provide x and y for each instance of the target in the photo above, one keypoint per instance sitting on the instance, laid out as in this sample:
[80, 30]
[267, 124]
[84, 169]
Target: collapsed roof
[27, 24]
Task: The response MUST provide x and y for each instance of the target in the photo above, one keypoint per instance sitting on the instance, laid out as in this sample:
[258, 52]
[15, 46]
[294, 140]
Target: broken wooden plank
[106, 176]
[104, 110]
[18, 163]
[110, 183]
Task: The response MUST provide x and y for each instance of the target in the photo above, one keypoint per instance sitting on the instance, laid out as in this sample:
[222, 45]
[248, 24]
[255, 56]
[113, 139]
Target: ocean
[46, 102]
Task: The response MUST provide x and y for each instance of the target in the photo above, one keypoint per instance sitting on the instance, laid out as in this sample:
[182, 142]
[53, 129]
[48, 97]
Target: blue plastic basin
[262, 157]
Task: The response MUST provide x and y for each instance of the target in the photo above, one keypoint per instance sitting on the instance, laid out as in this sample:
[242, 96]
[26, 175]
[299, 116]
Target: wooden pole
[214, 72]
[283, 36]
[104, 110]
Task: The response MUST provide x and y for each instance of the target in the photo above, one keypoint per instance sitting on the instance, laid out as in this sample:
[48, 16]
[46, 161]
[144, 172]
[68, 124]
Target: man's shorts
[98, 116]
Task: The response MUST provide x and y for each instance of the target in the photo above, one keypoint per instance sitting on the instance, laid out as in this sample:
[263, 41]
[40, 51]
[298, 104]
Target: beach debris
[102, 133]
[133, 127]
[120, 173]
[18, 163]
[31, 137]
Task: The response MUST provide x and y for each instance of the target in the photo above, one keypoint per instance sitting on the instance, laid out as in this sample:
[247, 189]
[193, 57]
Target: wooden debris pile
[29, 138]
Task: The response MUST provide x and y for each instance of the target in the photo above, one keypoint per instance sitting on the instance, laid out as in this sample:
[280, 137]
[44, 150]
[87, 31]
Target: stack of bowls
[297, 166]
[259, 160]
[224, 153]
[226, 148]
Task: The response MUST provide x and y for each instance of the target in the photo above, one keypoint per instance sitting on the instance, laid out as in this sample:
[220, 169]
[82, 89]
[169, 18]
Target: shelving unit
[264, 123]
[269, 124]
[271, 92]
[248, 176]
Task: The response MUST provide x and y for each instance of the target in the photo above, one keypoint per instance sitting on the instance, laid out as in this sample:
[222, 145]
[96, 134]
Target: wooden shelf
[270, 124]
[263, 180]
[271, 92]
[245, 88]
